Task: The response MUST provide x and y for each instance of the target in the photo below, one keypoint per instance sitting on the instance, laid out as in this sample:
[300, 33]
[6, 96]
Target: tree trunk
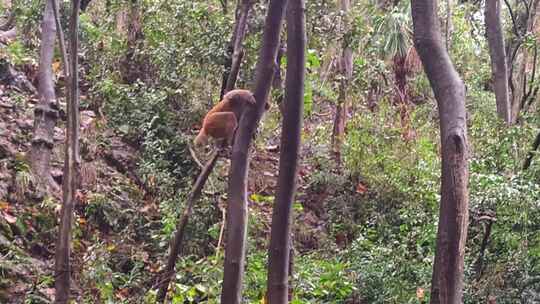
[497, 54]
[131, 67]
[177, 241]
[46, 112]
[71, 167]
[524, 21]
[530, 155]
[232, 67]
[61, 41]
[237, 204]
[449, 26]
[345, 67]
[277, 82]
[449, 91]
[279, 250]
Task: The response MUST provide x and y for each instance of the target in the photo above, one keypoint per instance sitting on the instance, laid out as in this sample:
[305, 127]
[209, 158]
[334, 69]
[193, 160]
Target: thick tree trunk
[449, 91]
[71, 168]
[177, 241]
[345, 67]
[46, 112]
[279, 250]
[232, 67]
[237, 205]
[497, 53]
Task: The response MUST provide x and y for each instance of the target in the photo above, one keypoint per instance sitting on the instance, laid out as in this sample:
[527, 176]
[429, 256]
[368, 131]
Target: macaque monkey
[222, 120]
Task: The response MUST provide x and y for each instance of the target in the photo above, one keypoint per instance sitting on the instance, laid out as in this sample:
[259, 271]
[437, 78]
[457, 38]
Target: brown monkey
[222, 120]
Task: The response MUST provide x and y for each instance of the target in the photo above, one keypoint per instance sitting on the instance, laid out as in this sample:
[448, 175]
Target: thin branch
[61, 40]
[514, 25]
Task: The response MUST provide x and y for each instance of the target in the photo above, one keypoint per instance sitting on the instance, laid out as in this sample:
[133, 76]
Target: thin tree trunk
[479, 264]
[345, 65]
[131, 67]
[237, 205]
[449, 91]
[277, 82]
[177, 242]
[531, 153]
[71, 168]
[525, 20]
[278, 252]
[449, 26]
[61, 40]
[498, 58]
[231, 75]
[46, 112]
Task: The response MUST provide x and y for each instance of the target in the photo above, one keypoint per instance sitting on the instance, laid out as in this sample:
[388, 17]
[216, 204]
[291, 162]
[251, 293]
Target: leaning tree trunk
[345, 67]
[279, 250]
[71, 167]
[46, 112]
[530, 155]
[237, 204]
[177, 242]
[497, 53]
[449, 91]
[232, 67]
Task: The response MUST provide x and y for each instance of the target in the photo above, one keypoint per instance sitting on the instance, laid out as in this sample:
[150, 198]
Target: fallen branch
[177, 242]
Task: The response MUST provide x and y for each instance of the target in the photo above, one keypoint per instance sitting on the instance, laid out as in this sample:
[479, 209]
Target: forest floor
[111, 195]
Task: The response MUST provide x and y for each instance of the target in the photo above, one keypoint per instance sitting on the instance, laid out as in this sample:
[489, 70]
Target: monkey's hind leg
[221, 126]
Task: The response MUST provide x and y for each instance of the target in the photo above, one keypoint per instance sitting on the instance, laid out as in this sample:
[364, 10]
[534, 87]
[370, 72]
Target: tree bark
[232, 67]
[279, 250]
[46, 112]
[177, 242]
[71, 167]
[449, 91]
[497, 54]
[345, 67]
[237, 203]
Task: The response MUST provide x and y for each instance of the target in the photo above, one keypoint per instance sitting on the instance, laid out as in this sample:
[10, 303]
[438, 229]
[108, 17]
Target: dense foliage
[363, 233]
